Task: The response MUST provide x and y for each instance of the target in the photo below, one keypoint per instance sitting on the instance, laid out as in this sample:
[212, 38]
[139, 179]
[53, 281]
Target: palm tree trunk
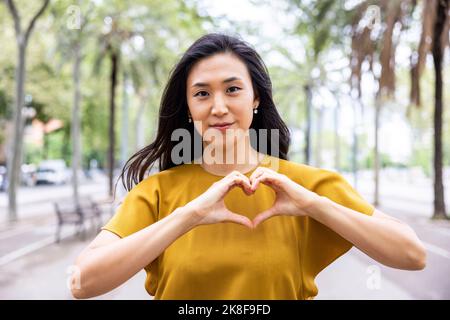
[140, 134]
[124, 121]
[376, 196]
[45, 147]
[319, 137]
[356, 107]
[76, 135]
[307, 151]
[337, 149]
[112, 109]
[439, 200]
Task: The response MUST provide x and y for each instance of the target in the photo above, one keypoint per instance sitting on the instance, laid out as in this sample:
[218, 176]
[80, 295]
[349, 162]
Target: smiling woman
[257, 226]
[220, 96]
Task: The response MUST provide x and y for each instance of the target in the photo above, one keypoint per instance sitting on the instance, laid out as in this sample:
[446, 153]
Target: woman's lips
[222, 127]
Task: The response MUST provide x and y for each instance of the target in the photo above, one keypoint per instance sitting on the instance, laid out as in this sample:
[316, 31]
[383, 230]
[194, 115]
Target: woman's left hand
[291, 198]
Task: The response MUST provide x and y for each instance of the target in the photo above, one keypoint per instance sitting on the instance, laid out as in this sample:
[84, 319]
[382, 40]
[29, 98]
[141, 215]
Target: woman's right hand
[209, 207]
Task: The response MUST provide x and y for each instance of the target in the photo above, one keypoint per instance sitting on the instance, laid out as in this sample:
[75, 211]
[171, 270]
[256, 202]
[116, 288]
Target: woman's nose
[219, 107]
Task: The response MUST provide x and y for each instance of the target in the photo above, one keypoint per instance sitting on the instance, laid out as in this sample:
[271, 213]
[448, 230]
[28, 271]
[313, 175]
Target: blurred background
[362, 85]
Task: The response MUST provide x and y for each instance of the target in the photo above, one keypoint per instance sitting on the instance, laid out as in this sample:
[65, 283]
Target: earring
[190, 119]
[255, 111]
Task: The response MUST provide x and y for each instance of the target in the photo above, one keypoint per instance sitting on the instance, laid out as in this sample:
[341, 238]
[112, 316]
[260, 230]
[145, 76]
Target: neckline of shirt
[263, 163]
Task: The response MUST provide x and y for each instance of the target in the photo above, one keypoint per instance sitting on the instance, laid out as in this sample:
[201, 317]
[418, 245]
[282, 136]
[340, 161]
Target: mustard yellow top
[278, 260]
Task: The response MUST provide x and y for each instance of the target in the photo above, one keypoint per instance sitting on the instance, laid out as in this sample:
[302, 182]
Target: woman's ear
[256, 103]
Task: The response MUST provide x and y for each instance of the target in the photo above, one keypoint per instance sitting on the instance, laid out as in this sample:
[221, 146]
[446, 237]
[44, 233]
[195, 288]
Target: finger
[255, 184]
[229, 180]
[270, 179]
[263, 216]
[258, 171]
[237, 181]
[237, 218]
[245, 180]
[264, 178]
[241, 180]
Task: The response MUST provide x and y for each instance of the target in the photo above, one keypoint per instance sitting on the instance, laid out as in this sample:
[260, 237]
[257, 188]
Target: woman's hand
[291, 198]
[210, 207]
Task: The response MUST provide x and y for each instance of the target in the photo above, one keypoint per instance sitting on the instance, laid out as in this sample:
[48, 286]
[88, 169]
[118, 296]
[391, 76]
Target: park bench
[69, 213]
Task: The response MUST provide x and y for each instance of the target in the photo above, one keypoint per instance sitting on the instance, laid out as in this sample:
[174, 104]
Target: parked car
[53, 172]
[27, 176]
[3, 178]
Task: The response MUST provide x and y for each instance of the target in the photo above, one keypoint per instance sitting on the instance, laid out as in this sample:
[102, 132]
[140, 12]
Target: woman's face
[219, 90]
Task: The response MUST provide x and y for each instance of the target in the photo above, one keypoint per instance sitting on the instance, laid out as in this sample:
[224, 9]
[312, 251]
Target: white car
[52, 171]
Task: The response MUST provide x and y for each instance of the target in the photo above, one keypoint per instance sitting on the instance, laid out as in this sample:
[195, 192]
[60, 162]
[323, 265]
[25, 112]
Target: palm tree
[70, 43]
[373, 41]
[111, 45]
[435, 27]
[318, 24]
[151, 21]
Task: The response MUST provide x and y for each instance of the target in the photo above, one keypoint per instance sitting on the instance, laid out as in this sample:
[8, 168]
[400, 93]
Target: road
[36, 202]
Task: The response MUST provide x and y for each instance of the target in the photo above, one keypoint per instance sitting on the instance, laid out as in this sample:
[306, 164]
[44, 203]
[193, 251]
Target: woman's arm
[105, 267]
[110, 261]
[383, 238]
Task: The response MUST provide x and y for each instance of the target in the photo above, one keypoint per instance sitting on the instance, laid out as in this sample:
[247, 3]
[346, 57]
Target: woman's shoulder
[307, 175]
[173, 175]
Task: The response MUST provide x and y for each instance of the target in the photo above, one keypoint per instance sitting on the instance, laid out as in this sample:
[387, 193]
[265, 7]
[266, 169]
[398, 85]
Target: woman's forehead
[218, 68]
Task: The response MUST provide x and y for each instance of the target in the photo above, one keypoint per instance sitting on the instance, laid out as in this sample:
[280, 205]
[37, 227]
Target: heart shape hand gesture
[291, 198]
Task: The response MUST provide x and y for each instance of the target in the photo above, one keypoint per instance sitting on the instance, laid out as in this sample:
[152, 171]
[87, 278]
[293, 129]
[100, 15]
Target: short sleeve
[322, 245]
[138, 210]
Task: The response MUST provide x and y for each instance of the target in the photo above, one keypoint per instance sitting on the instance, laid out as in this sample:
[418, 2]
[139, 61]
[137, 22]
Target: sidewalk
[352, 278]
[44, 274]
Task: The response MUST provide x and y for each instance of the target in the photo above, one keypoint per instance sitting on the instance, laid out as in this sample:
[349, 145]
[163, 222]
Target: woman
[256, 226]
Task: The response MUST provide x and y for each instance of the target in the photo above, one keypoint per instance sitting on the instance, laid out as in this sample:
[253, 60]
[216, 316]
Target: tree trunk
[319, 137]
[45, 147]
[307, 151]
[376, 153]
[112, 116]
[16, 144]
[337, 149]
[439, 200]
[76, 134]
[140, 135]
[124, 121]
[355, 144]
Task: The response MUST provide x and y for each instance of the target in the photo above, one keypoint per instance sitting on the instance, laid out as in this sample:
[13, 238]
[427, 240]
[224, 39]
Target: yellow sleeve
[322, 245]
[138, 210]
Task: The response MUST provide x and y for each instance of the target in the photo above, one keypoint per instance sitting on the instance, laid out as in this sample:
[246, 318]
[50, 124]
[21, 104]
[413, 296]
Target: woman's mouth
[222, 126]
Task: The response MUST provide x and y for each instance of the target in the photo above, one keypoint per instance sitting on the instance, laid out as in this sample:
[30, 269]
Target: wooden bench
[69, 213]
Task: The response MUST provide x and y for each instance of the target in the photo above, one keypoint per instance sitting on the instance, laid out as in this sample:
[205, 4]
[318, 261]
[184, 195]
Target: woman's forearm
[389, 242]
[104, 268]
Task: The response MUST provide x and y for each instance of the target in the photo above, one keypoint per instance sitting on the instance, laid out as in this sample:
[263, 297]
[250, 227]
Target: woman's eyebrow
[203, 84]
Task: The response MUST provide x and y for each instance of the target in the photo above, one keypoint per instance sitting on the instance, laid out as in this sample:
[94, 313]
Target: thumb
[263, 216]
[240, 219]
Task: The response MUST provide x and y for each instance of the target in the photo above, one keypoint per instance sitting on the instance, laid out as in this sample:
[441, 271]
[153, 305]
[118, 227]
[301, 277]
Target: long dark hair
[173, 112]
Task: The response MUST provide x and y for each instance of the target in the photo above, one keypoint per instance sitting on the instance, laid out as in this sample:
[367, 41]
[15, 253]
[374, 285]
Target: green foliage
[154, 34]
[157, 32]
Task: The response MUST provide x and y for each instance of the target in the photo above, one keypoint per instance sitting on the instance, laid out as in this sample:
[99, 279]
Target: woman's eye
[201, 94]
[234, 89]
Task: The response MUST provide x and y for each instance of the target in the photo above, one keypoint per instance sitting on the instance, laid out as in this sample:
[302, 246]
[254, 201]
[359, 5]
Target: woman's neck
[243, 159]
